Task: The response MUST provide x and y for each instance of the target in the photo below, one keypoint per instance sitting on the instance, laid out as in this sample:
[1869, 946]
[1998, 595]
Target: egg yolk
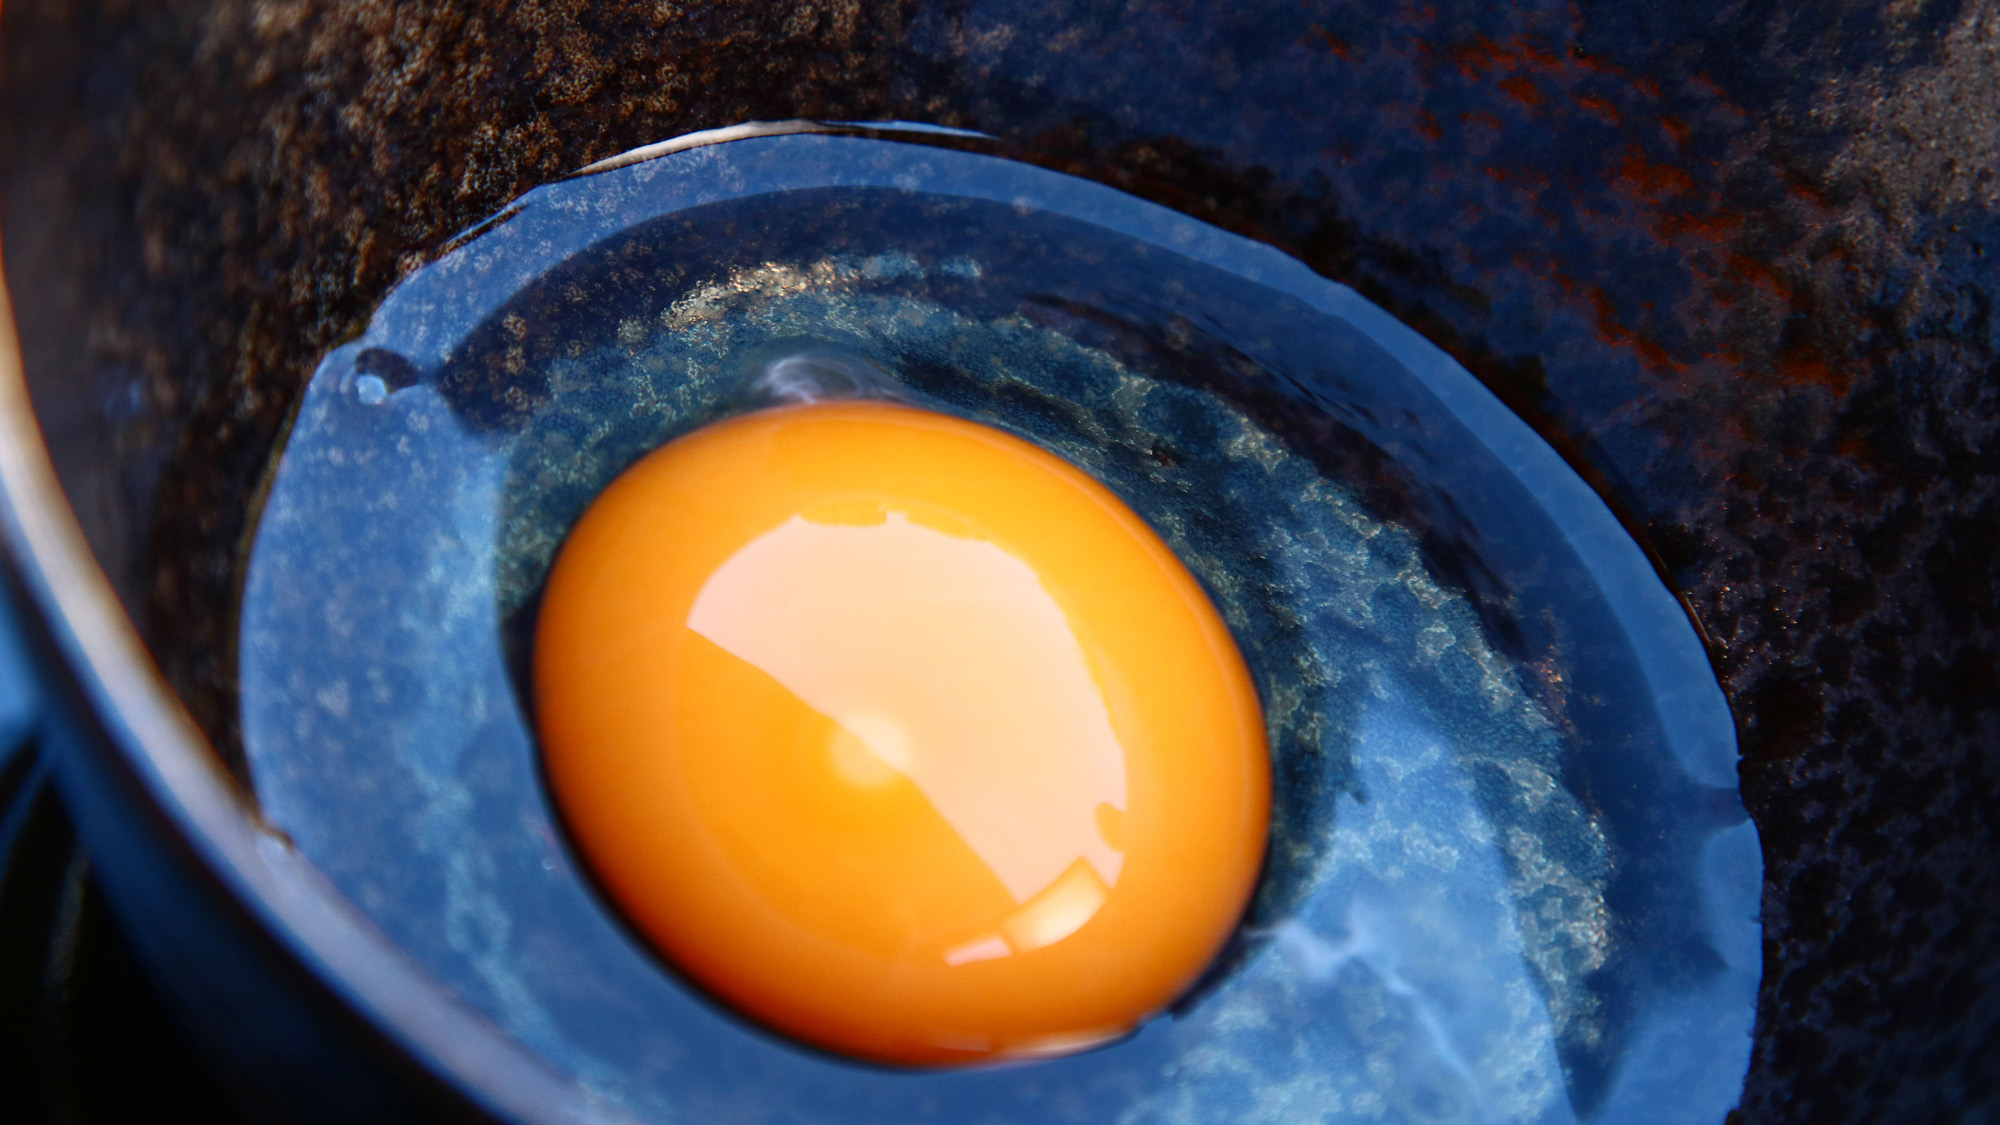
[900, 734]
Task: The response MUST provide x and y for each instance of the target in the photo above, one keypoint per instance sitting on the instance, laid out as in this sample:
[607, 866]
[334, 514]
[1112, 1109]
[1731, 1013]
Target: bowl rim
[100, 661]
[104, 666]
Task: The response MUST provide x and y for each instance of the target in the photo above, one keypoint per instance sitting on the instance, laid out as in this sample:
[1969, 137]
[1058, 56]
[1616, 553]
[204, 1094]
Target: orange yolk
[901, 735]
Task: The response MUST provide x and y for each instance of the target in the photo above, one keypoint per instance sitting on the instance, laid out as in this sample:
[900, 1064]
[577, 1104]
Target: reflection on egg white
[1412, 941]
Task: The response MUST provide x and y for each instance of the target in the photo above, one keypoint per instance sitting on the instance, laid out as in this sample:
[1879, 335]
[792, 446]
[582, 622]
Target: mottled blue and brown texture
[1736, 260]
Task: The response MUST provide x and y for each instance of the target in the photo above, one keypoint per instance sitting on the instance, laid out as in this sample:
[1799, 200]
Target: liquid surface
[901, 734]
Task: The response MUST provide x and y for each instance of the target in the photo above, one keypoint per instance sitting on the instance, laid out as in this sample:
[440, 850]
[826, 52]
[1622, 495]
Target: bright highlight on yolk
[901, 735]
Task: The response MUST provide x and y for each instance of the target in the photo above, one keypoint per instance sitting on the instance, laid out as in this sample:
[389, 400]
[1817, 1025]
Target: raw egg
[900, 735]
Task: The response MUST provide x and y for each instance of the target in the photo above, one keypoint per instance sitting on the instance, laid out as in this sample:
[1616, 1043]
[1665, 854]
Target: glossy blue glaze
[1512, 877]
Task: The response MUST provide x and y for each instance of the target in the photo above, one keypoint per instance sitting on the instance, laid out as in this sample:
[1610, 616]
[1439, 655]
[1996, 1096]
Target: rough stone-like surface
[1737, 260]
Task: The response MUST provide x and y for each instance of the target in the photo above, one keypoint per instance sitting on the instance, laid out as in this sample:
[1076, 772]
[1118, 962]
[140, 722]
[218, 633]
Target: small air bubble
[370, 390]
[821, 375]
